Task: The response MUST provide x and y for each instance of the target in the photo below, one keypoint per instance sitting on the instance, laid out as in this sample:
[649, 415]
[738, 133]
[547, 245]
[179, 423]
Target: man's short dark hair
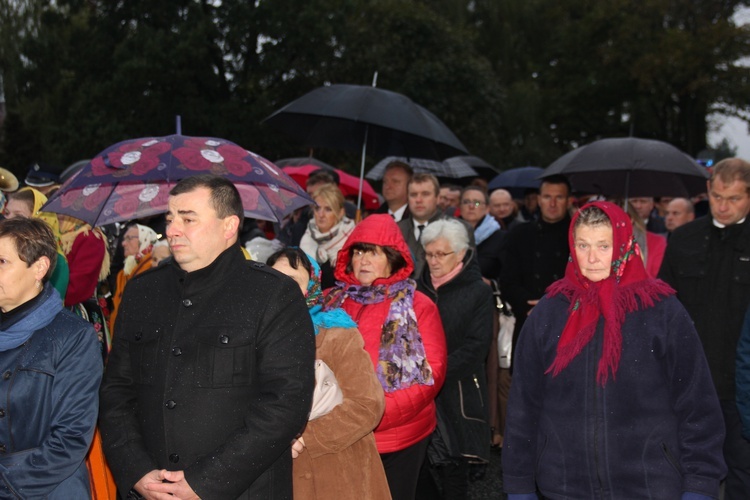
[33, 239]
[730, 170]
[225, 199]
[557, 179]
[400, 164]
[424, 177]
[323, 176]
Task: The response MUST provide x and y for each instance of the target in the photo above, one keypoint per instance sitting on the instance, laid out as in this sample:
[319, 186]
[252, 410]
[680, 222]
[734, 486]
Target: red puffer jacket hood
[377, 229]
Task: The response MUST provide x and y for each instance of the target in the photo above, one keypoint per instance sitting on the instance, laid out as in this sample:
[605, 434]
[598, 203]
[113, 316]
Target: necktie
[420, 227]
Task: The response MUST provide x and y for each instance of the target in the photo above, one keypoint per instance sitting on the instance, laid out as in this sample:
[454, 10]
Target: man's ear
[231, 226]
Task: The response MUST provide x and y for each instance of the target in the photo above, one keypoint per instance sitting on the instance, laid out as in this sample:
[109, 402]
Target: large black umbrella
[346, 117]
[631, 167]
[370, 119]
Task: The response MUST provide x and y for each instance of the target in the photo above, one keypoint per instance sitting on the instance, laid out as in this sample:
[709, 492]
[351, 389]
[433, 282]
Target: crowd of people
[212, 356]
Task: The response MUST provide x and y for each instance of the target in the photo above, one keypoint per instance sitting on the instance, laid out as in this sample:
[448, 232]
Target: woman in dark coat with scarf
[465, 302]
[51, 365]
[611, 393]
[403, 336]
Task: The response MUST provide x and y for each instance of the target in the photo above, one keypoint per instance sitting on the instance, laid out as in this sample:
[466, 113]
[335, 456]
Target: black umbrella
[631, 167]
[370, 119]
[346, 117]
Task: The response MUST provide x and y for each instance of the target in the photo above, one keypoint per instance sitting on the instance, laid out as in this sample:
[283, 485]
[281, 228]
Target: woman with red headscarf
[611, 394]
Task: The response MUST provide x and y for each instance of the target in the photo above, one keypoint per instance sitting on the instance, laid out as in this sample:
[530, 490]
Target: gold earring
[39, 285]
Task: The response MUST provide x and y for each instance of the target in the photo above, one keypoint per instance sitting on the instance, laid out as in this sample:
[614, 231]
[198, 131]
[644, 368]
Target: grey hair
[450, 229]
[592, 216]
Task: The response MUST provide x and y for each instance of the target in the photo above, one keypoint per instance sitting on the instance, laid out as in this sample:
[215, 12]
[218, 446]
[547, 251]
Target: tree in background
[519, 81]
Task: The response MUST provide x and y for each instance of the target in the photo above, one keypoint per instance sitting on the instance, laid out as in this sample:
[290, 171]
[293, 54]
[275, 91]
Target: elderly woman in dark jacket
[611, 395]
[51, 367]
[453, 280]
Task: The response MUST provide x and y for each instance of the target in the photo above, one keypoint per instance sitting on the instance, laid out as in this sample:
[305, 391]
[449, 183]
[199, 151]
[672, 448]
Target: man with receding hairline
[679, 212]
[708, 262]
[212, 370]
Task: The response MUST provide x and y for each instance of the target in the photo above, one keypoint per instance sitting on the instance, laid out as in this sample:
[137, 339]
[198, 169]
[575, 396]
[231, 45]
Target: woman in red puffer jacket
[403, 335]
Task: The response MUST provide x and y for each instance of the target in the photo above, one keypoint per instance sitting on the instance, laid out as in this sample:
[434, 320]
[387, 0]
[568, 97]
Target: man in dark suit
[212, 370]
[708, 262]
[395, 179]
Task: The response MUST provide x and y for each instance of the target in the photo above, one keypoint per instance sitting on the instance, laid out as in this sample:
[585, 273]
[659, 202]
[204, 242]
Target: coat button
[2, 448]
[7, 375]
[174, 458]
[2, 413]
[187, 302]
[176, 351]
[224, 339]
[170, 404]
[138, 336]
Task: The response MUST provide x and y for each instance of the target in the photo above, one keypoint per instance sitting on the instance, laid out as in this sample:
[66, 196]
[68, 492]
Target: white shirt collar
[722, 226]
[398, 214]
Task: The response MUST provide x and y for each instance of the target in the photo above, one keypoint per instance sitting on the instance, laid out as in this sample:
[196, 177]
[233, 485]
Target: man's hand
[165, 485]
[298, 446]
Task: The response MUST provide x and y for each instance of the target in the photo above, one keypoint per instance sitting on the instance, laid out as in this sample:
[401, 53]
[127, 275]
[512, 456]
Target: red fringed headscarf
[628, 288]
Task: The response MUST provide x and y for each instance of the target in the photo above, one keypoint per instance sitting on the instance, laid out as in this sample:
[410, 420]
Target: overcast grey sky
[734, 129]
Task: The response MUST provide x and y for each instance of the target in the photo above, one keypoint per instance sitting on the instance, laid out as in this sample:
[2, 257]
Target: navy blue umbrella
[517, 180]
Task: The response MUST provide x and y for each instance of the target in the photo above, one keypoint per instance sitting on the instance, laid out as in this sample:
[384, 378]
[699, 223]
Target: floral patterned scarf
[627, 289]
[401, 359]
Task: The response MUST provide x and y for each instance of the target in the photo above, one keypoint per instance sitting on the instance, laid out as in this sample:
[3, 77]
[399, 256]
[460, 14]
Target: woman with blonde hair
[327, 231]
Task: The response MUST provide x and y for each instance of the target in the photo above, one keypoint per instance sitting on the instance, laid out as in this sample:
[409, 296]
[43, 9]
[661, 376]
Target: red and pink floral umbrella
[132, 179]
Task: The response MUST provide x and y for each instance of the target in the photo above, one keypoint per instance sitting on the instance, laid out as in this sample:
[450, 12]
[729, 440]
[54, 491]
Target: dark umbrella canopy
[631, 167]
[345, 116]
[517, 180]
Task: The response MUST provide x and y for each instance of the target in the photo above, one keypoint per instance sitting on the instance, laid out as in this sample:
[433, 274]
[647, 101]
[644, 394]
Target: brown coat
[340, 459]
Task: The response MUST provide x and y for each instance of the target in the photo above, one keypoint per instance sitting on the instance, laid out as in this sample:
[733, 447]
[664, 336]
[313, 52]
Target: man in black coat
[535, 253]
[212, 370]
[708, 262]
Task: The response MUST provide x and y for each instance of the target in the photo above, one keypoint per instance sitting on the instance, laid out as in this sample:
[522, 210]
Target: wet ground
[491, 486]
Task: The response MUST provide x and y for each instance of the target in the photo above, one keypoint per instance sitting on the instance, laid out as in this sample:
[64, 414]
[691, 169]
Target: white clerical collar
[722, 226]
[398, 214]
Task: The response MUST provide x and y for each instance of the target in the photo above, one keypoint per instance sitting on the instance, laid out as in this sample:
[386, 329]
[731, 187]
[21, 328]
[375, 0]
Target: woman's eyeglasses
[437, 255]
[472, 203]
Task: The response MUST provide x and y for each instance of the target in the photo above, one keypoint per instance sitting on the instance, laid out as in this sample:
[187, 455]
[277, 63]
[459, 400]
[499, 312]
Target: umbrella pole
[358, 218]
